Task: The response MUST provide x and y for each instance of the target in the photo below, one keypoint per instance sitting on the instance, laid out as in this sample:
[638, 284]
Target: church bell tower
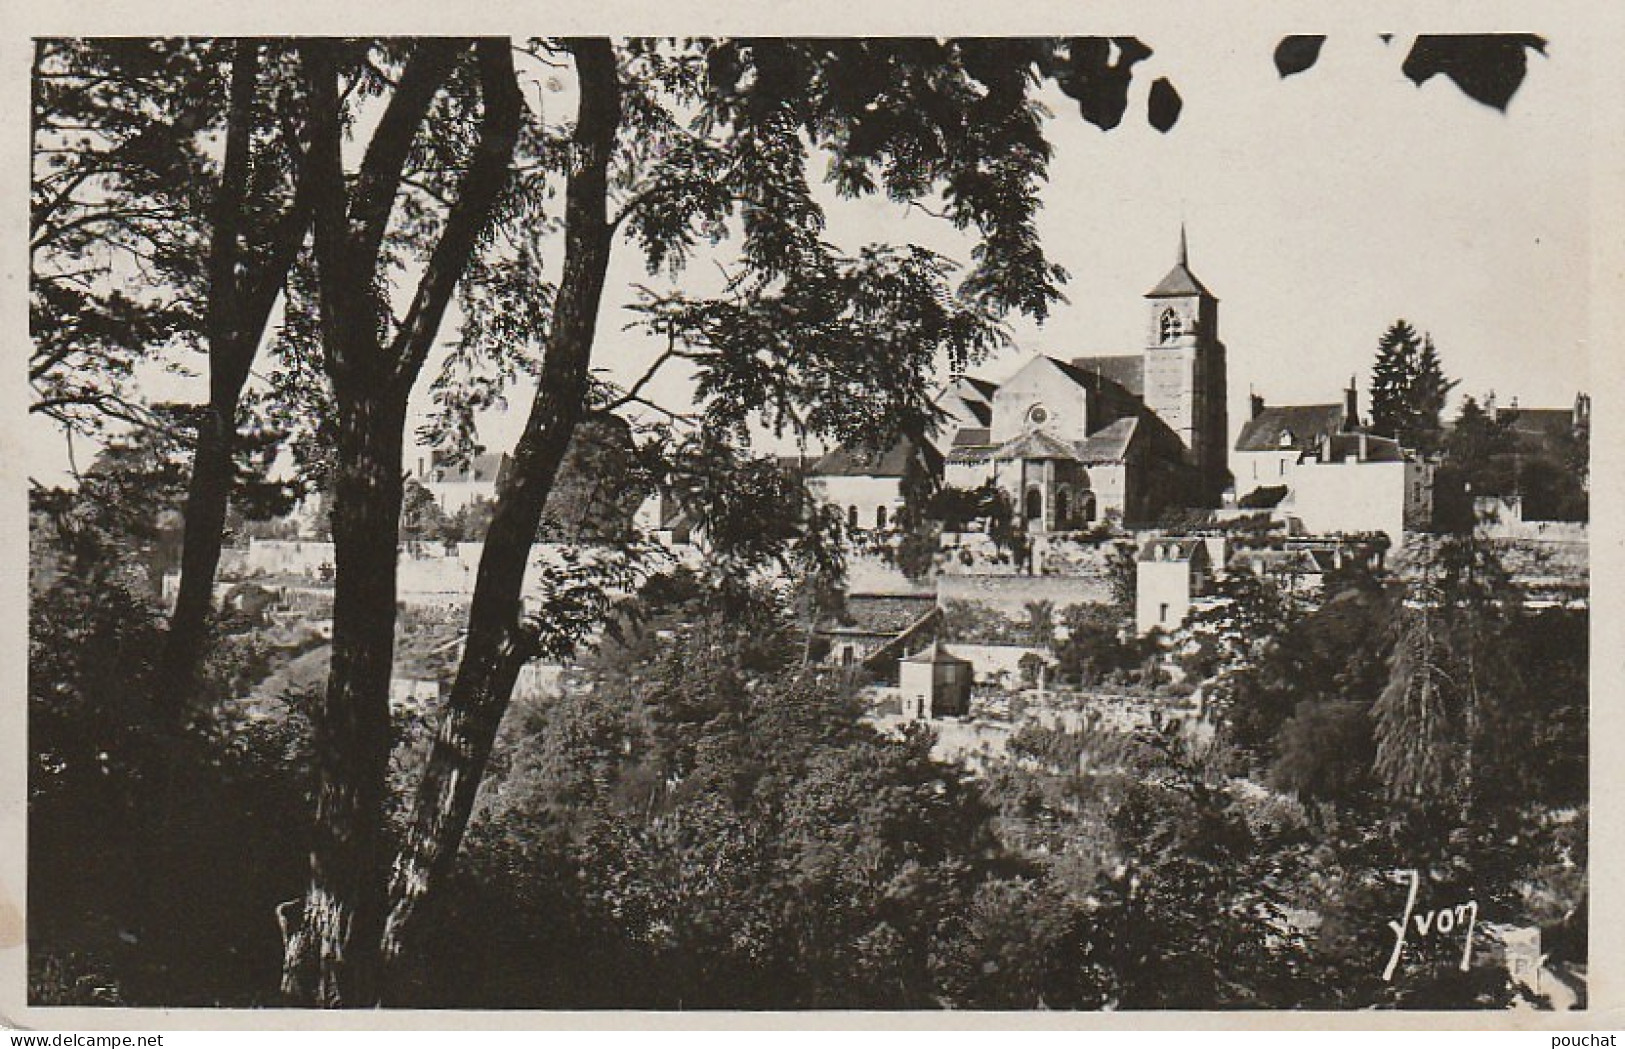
[1185, 373]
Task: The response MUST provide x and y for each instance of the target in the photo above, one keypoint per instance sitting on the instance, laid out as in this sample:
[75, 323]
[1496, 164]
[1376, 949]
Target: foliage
[600, 484]
[117, 192]
[974, 622]
[211, 815]
[1408, 389]
[1264, 497]
[1094, 647]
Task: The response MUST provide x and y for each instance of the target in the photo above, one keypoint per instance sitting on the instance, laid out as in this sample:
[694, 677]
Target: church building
[1071, 441]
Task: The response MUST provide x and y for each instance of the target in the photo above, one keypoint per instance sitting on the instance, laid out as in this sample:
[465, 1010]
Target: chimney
[1257, 403]
[1351, 406]
[1582, 410]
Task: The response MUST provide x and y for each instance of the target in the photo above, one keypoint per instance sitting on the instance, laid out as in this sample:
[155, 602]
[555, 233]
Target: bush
[1263, 498]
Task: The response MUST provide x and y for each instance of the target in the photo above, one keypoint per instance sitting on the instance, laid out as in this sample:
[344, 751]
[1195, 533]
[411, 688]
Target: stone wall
[1010, 594]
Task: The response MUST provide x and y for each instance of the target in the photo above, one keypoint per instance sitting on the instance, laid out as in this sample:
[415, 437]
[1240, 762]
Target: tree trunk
[207, 494]
[334, 960]
[333, 957]
[243, 289]
[497, 644]
[210, 485]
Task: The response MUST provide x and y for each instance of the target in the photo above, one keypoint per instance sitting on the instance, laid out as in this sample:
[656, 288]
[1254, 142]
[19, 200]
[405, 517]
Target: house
[1169, 573]
[1295, 570]
[1276, 437]
[871, 624]
[934, 683]
[868, 485]
[455, 484]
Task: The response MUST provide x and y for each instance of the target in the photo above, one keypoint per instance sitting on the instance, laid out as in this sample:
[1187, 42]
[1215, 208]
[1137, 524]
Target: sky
[1318, 208]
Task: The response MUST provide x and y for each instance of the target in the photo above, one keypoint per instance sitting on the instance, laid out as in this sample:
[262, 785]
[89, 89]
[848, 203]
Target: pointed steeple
[1180, 281]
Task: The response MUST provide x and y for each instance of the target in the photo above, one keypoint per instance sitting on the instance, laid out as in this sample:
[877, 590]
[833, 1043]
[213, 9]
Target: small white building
[934, 683]
[1169, 573]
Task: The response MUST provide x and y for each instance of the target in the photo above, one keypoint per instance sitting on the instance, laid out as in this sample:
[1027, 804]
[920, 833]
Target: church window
[852, 517]
[1035, 504]
[1038, 415]
[880, 517]
[1162, 612]
[1172, 328]
[1061, 509]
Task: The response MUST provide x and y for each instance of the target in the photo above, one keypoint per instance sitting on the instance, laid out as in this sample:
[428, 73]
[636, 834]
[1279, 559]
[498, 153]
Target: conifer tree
[1392, 377]
[1408, 388]
[1429, 388]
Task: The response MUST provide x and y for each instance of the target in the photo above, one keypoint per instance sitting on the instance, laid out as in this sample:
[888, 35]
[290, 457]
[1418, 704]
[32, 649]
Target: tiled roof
[981, 411]
[1087, 379]
[1126, 371]
[1306, 423]
[972, 454]
[972, 436]
[1035, 444]
[861, 462]
[1109, 444]
[882, 614]
[1283, 562]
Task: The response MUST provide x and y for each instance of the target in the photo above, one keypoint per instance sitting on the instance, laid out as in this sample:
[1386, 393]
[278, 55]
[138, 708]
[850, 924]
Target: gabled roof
[1035, 444]
[1305, 423]
[1124, 370]
[1087, 379]
[1109, 444]
[981, 411]
[981, 387]
[1283, 562]
[848, 461]
[972, 437]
